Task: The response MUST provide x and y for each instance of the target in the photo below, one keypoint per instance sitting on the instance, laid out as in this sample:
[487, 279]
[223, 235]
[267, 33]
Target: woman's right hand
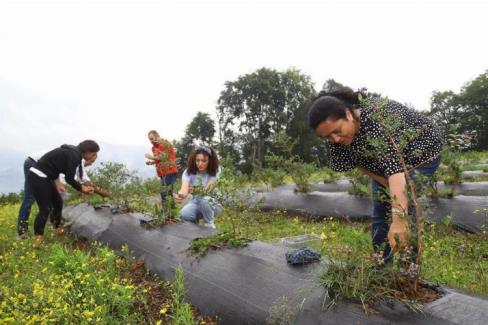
[87, 189]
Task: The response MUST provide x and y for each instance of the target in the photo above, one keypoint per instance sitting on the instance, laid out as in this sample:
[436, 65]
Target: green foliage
[391, 143]
[200, 130]
[269, 176]
[257, 106]
[457, 267]
[327, 175]
[183, 314]
[230, 193]
[60, 283]
[301, 174]
[200, 246]
[273, 174]
[456, 259]
[11, 198]
[278, 166]
[331, 85]
[451, 167]
[362, 281]
[127, 190]
[361, 183]
[466, 108]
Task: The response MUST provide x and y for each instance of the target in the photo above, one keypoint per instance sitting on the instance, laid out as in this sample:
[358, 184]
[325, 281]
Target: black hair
[88, 146]
[332, 105]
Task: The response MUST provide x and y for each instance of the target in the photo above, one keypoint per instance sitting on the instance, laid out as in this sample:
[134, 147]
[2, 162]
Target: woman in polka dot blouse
[354, 131]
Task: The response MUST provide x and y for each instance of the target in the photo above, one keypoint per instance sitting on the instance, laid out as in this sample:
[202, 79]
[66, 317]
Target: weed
[200, 246]
[183, 314]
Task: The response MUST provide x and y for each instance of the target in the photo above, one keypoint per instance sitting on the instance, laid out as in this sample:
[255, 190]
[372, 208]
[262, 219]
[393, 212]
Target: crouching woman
[201, 173]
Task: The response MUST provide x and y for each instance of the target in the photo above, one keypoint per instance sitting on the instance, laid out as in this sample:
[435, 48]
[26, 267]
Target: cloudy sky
[112, 70]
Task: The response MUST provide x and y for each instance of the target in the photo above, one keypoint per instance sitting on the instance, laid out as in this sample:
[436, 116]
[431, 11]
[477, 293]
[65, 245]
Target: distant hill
[11, 163]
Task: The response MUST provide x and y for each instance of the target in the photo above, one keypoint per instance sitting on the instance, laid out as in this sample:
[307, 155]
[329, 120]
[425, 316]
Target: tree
[257, 106]
[444, 107]
[473, 100]
[468, 109]
[201, 130]
[332, 85]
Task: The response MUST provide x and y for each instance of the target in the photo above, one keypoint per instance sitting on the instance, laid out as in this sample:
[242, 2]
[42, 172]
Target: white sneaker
[210, 225]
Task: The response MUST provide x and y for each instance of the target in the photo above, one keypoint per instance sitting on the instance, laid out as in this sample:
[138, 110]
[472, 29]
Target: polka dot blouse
[419, 137]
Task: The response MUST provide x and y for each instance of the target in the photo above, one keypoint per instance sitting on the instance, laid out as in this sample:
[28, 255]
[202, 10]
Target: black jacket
[62, 160]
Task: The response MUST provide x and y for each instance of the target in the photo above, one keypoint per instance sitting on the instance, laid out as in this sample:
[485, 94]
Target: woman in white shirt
[202, 170]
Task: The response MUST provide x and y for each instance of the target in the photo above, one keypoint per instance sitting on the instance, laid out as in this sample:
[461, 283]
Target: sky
[112, 70]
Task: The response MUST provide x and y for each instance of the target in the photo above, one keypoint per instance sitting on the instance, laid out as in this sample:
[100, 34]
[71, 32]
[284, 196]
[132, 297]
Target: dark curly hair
[213, 160]
[333, 104]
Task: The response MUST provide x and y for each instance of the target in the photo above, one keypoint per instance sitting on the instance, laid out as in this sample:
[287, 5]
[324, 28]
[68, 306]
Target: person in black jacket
[62, 160]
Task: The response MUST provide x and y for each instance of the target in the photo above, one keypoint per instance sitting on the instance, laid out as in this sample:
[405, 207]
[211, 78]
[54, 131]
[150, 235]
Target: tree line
[258, 108]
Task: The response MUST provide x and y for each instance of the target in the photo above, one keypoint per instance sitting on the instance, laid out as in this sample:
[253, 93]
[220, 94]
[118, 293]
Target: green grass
[453, 258]
[61, 284]
[473, 156]
[456, 259]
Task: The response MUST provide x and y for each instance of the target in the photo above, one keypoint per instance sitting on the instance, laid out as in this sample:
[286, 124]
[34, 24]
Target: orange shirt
[165, 163]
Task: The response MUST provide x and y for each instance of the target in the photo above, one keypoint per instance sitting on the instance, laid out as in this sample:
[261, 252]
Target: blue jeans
[28, 200]
[167, 182]
[382, 206]
[198, 208]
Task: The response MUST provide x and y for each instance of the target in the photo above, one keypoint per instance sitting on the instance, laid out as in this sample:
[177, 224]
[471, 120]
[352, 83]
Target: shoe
[58, 231]
[22, 236]
[38, 241]
[66, 224]
[210, 225]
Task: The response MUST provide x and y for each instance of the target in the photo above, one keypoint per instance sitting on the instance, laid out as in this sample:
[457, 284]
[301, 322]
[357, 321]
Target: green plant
[183, 314]
[451, 168]
[271, 177]
[301, 174]
[11, 198]
[230, 193]
[364, 282]
[392, 142]
[283, 312]
[200, 246]
[361, 183]
[328, 175]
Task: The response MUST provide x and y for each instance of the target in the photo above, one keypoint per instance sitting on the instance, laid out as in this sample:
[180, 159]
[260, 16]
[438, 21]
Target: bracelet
[396, 210]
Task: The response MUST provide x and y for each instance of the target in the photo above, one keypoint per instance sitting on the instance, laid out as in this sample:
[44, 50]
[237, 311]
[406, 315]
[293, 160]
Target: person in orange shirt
[164, 158]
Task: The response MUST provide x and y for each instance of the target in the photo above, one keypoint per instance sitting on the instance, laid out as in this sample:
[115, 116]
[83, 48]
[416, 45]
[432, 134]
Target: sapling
[396, 137]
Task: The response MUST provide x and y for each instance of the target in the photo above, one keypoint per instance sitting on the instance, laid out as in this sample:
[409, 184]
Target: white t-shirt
[199, 178]
[83, 179]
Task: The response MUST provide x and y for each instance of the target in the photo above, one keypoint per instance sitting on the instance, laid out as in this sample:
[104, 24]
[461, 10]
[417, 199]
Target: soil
[425, 292]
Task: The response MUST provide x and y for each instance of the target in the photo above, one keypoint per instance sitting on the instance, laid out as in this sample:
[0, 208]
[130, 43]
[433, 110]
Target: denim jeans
[28, 200]
[199, 207]
[382, 206]
[167, 183]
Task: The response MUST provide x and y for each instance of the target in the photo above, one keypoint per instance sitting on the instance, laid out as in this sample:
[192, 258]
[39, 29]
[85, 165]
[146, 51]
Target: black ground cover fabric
[240, 285]
[466, 211]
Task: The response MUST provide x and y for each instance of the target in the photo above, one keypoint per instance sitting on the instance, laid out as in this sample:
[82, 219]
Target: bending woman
[202, 170]
[63, 160]
[351, 126]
